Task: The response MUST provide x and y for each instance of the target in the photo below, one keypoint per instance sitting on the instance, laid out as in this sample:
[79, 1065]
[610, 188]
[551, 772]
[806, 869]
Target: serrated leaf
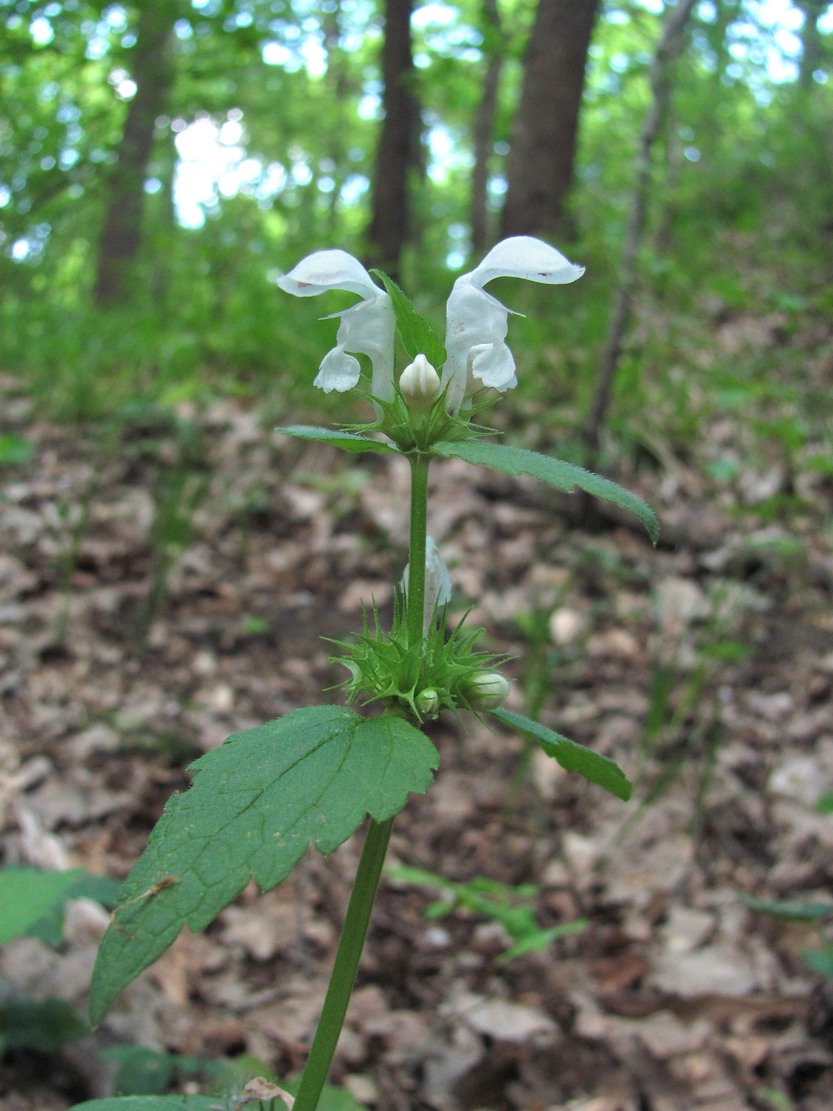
[347, 441]
[415, 333]
[149, 1103]
[255, 805]
[554, 472]
[572, 756]
[26, 894]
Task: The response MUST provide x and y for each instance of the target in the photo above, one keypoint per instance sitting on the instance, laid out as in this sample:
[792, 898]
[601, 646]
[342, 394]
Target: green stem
[346, 965]
[419, 531]
[375, 846]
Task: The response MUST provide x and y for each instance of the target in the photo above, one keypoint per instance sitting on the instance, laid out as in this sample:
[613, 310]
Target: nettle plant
[314, 776]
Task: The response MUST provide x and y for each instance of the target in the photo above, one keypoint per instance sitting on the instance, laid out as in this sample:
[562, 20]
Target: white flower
[437, 583]
[420, 383]
[365, 329]
[477, 323]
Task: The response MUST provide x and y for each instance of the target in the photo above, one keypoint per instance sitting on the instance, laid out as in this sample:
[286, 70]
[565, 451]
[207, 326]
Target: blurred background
[161, 162]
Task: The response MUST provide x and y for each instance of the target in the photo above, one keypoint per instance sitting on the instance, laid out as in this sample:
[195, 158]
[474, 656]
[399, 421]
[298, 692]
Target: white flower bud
[487, 691]
[427, 701]
[420, 383]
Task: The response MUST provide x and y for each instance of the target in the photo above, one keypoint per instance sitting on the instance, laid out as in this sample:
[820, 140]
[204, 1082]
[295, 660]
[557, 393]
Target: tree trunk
[812, 46]
[671, 42]
[153, 73]
[398, 141]
[484, 127]
[545, 130]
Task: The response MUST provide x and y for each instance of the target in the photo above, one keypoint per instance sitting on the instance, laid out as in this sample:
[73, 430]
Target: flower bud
[487, 691]
[420, 383]
[427, 701]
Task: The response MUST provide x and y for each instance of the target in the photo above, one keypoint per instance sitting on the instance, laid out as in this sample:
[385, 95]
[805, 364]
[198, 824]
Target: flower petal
[368, 329]
[338, 371]
[438, 586]
[325, 270]
[523, 256]
[493, 365]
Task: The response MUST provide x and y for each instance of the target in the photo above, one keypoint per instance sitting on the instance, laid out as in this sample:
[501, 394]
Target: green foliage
[49, 927]
[148, 1072]
[28, 894]
[42, 1025]
[256, 804]
[809, 912]
[573, 757]
[415, 333]
[554, 472]
[511, 906]
[332, 1098]
[149, 1103]
[32, 903]
[790, 910]
[820, 960]
[15, 450]
[347, 441]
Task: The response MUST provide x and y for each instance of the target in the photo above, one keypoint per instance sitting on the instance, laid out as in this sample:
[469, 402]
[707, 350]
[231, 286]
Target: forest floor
[165, 590]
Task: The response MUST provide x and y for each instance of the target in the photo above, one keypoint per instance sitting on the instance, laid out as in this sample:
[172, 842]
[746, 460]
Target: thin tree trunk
[545, 131]
[153, 72]
[398, 141]
[484, 127]
[812, 47]
[670, 44]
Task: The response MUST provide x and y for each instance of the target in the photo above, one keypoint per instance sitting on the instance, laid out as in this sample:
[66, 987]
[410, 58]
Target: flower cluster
[442, 671]
[476, 324]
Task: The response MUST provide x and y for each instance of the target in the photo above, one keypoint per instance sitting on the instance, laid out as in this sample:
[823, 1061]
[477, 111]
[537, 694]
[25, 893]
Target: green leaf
[43, 1025]
[26, 894]
[15, 450]
[790, 910]
[256, 804]
[555, 472]
[49, 928]
[347, 441]
[820, 961]
[148, 1103]
[416, 334]
[143, 1071]
[542, 939]
[572, 756]
[332, 1098]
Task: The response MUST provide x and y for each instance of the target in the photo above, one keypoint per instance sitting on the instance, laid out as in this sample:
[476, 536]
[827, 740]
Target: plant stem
[375, 846]
[419, 530]
[346, 965]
